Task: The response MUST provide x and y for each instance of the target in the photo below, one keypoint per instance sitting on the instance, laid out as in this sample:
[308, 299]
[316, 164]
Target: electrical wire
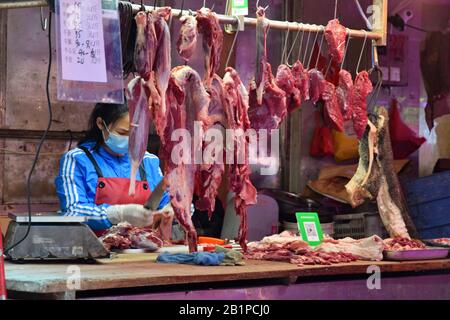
[44, 136]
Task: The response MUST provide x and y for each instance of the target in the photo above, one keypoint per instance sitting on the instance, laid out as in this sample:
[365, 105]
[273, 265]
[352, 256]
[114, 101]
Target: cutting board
[138, 257]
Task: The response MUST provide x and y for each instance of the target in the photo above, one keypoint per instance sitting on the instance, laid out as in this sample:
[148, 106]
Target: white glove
[135, 214]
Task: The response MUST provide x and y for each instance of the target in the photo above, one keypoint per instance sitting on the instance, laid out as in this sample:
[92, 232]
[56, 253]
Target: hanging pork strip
[286, 81]
[187, 40]
[335, 35]
[332, 113]
[344, 93]
[361, 89]
[301, 79]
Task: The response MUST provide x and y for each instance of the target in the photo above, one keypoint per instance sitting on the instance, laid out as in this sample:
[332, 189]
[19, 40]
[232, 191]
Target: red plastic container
[2, 270]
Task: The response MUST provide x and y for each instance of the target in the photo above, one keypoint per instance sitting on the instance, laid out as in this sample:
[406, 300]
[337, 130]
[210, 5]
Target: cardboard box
[4, 221]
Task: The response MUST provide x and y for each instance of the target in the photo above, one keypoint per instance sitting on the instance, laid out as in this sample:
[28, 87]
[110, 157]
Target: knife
[155, 198]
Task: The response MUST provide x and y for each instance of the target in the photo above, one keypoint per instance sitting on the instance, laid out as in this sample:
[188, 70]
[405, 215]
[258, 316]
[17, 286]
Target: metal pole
[23, 4]
[224, 19]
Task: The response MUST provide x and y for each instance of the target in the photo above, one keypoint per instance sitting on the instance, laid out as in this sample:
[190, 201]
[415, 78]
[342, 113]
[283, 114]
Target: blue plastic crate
[428, 201]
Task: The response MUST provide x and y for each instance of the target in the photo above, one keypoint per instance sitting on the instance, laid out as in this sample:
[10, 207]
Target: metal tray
[430, 242]
[420, 254]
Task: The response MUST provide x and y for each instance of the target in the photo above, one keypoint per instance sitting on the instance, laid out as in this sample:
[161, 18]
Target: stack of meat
[399, 244]
[288, 247]
[125, 236]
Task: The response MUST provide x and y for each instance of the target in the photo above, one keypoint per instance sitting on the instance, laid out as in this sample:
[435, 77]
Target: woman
[93, 178]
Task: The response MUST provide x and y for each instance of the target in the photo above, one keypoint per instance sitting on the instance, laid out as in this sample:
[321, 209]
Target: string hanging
[362, 50]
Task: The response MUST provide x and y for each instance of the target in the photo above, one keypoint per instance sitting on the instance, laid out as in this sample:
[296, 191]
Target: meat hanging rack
[378, 35]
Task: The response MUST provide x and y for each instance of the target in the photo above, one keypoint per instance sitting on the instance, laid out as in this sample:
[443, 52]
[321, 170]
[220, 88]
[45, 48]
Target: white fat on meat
[370, 248]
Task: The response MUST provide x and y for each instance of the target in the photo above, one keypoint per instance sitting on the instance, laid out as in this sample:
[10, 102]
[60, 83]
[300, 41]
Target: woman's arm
[71, 191]
[154, 176]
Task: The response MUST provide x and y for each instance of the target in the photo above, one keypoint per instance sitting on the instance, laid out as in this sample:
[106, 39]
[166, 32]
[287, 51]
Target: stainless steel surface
[431, 242]
[46, 217]
[421, 254]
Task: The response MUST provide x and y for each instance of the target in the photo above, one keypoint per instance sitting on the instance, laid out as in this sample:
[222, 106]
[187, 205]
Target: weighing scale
[52, 237]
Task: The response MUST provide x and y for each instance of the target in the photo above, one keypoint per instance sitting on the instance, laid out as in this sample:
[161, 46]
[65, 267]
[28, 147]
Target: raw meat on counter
[335, 34]
[209, 27]
[370, 248]
[375, 178]
[267, 104]
[289, 247]
[187, 41]
[125, 236]
[398, 244]
[236, 106]
[188, 104]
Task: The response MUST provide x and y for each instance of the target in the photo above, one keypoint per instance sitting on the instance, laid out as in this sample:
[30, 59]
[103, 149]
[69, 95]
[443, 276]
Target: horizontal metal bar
[274, 24]
[37, 134]
[224, 19]
[23, 4]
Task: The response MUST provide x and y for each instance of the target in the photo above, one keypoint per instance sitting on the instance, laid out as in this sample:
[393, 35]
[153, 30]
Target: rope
[362, 50]
[320, 48]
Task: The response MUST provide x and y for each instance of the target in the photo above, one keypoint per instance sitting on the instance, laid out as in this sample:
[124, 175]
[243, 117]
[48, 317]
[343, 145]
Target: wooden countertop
[52, 277]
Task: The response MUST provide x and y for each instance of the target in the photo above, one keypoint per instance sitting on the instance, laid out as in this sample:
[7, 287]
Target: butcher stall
[302, 147]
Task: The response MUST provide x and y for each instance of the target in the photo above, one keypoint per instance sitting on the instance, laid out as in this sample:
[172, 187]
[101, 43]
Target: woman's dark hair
[110, 113]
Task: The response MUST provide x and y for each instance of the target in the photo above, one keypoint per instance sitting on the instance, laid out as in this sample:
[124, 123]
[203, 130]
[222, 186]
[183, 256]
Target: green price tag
[309, 227]
[239, 7]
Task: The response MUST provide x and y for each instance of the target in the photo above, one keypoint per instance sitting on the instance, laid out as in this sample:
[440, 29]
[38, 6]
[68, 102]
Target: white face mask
[117, 143]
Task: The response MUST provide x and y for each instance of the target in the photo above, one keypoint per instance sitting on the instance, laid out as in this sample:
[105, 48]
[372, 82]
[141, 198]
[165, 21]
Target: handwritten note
[82, 42]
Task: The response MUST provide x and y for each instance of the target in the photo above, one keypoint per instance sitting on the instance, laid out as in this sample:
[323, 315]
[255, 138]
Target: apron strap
[91, 157]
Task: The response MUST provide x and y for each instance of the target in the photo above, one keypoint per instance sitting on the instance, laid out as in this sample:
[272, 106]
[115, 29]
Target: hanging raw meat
[209, 175]
[344, 93]
[144, 53]
[139, 126]
[375, 178]
[267, 100]
[188, 103]
[332, 113]
[236, 106]
[301, 79]
[285, 80]
[209, 27]
[162, 65]
[316, 85]
[361, 89]
[187, 40]
[335, 35]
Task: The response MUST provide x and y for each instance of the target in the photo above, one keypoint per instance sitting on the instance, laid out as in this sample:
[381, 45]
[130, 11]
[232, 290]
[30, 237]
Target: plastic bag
[322, 141]
[345, 147]
[404, 140]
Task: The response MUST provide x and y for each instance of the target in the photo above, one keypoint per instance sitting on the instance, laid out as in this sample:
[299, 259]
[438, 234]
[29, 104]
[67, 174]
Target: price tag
[239, 7]
[82, 41]
[309, 227]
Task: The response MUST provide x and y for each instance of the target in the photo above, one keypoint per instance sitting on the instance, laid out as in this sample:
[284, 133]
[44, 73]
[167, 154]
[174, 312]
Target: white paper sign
[82, 42]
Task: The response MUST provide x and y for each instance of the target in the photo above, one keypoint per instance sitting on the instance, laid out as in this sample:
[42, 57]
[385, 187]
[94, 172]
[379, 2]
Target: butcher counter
[138, 276]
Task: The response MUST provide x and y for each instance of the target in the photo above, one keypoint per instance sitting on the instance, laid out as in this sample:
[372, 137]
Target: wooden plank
[47, 278]
[383, 24]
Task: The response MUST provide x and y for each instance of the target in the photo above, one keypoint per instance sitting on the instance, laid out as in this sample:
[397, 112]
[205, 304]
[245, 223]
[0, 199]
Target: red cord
[2, 270]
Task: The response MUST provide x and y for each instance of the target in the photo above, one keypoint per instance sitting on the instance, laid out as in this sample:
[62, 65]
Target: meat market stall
[191, 81]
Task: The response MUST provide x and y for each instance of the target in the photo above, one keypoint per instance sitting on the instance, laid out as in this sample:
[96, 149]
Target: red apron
[115, 190]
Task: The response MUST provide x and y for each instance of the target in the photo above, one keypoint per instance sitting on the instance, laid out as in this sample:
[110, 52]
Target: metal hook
[362, 50]
[204, 3]
[346, 47]
[335, 8]
[301, 42]
[320, 46]
[293, 43]
[257, 4]
[306, 47]
[182, 8]
[43, 21]
[154, 5]
[312, 48]
[283, 55]
[234, 41]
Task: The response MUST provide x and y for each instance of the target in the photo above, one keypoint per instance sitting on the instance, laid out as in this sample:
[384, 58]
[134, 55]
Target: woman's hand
[135, 214]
